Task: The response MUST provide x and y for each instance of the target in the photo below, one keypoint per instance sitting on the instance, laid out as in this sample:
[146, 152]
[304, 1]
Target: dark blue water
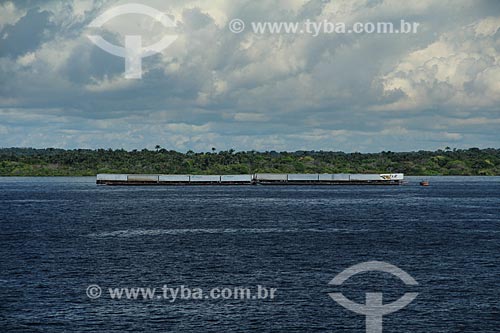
[59, 235]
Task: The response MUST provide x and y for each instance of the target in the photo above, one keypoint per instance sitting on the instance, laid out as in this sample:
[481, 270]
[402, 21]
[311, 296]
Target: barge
[252, 179]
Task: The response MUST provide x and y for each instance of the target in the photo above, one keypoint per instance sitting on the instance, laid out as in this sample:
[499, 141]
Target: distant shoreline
[51, 162]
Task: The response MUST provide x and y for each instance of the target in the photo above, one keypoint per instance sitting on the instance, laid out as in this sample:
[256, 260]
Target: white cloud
[109, 84]
[9, 14]
[250, 117]
[460, 69]
[487, 27]
[26, 59]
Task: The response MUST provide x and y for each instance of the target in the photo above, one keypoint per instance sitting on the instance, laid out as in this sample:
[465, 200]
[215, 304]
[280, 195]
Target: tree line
[89, 162]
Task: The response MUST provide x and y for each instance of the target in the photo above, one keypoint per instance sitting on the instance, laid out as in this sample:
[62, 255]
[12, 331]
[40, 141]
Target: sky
[437, 88]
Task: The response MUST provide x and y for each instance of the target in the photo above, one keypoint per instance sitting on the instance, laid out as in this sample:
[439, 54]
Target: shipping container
[112, 177]
[205, 178]
[305, 177]
[142, 178]
[236, 178]
[174, 178]
[271, 177]
[325, 177]
[341, 177]
[365, 177]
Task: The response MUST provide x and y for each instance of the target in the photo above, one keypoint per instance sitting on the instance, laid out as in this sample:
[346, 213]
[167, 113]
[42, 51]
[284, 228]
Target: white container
[341, 177]
[205, 178]
[296, 177]
[271, 176]
[174, 178]
[236, 178]
[142, 178]
[112, 177]
[325, 177]
[365, 177]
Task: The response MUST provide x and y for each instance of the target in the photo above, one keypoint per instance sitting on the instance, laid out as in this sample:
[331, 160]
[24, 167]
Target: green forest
[87, 162]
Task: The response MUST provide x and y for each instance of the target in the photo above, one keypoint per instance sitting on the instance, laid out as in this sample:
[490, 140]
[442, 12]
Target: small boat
[424, 183]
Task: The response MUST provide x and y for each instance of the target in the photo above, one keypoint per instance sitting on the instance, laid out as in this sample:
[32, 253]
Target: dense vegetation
[84, 162]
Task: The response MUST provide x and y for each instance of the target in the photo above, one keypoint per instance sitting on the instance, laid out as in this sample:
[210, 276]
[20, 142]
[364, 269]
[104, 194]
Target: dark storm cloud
[26, 35]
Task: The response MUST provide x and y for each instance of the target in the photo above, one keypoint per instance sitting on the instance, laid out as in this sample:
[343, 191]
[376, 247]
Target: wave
[156, 232]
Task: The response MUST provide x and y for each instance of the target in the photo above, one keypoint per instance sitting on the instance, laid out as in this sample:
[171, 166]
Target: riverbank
[81, 162]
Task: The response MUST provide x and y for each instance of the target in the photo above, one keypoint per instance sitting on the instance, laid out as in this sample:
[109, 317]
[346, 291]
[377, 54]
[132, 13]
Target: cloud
[460, 69]
[211, 87]
[9, 14]
[25, 35]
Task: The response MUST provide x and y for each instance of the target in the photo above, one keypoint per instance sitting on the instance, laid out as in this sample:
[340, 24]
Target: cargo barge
[253, 179]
